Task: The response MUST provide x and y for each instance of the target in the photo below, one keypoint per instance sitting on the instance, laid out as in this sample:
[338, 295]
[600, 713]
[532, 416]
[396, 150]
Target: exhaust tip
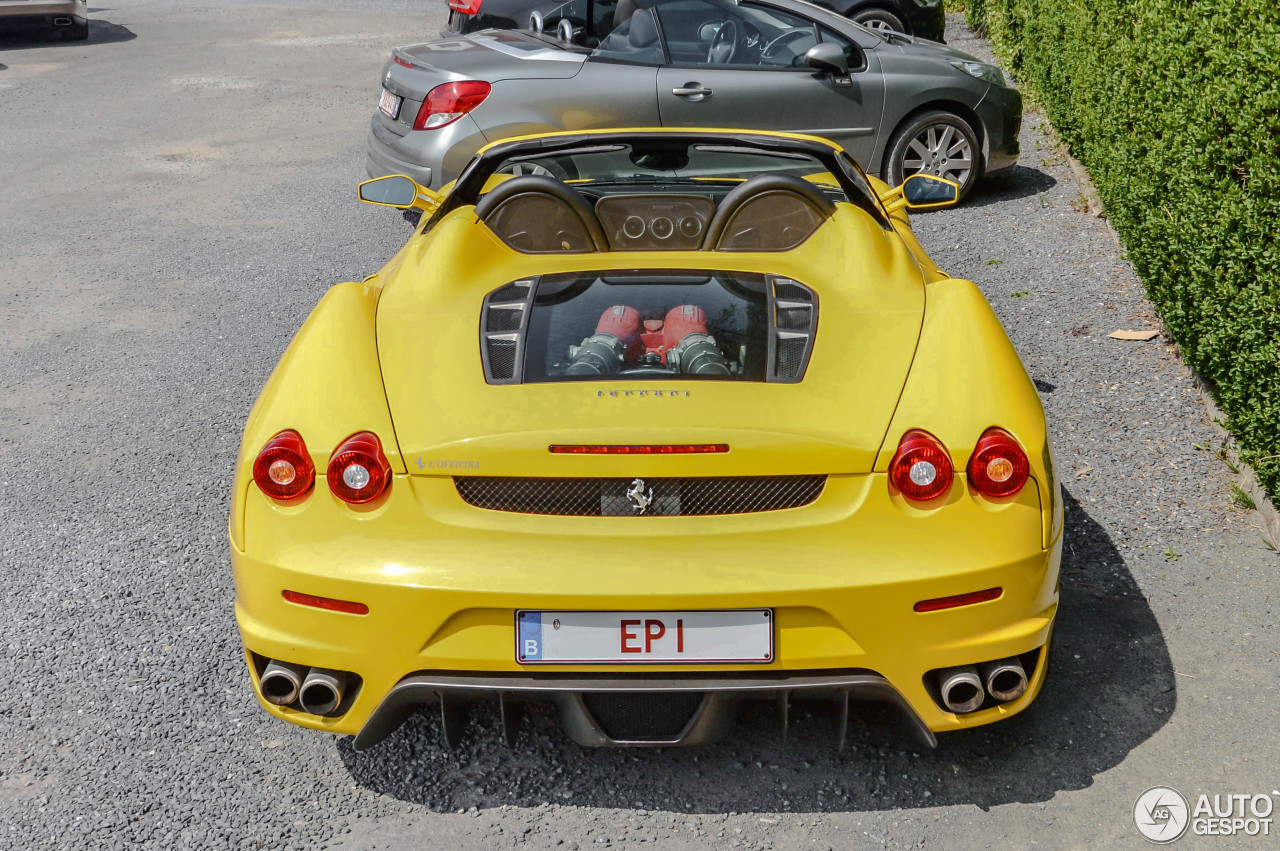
[62, 22]
[961, 689]
[322, 691]
[280, 682]
[1005, 679]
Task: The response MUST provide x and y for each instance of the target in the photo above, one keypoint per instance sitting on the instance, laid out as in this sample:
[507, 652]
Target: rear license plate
[737, 635]
[390, 104]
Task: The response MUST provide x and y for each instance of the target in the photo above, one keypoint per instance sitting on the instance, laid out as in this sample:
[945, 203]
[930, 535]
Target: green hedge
[1174, 107]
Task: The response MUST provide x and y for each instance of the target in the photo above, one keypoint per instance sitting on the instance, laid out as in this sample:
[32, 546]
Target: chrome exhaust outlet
[62, 22]
[322, 691]
[961, 688]
[281, 681]
[1004, 678]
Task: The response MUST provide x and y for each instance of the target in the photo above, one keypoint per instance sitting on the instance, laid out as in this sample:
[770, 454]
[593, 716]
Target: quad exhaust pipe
[964, 688]
[961, 688]
[1004, 679]
[322, 691]
[319, 691]
[281, 682]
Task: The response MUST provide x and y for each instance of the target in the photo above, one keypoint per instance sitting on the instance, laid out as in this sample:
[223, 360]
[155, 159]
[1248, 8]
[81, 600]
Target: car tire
[933, 142]
[76, 32]
[879, 19]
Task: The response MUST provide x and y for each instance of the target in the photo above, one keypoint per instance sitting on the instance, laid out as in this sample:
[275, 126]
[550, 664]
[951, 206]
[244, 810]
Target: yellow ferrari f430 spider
[645, 423]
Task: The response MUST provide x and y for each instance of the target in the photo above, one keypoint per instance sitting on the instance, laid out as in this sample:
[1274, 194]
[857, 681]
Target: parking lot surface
[178, 194]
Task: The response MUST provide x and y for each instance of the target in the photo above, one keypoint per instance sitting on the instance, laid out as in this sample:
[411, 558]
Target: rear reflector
[326, 603]
[637, 448]
[958, 600]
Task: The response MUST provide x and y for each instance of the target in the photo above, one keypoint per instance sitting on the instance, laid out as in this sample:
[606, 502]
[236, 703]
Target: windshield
[673, 163]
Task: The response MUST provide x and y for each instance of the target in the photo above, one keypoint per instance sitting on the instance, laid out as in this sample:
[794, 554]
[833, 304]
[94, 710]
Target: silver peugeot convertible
[898, 104]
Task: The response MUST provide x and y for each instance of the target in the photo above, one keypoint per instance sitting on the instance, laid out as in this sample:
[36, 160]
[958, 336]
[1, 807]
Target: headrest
[624, 10]
[540, 215]
[644, 28]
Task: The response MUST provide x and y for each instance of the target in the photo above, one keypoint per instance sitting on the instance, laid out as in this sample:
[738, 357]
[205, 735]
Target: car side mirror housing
[397, 190]
[828, 58]
[922, 192]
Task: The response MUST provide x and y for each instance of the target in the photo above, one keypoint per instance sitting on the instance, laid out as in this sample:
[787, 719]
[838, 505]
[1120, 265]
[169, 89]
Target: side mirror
[922, 192]
[828, 58]
[398, 191]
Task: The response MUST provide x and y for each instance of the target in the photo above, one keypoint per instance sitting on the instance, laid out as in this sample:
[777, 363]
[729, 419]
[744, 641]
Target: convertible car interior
[694, 32]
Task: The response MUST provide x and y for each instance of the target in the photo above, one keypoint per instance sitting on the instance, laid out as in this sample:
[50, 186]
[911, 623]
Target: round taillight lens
[283, 469]
[998, 466]
[358, 471]
[921, 468]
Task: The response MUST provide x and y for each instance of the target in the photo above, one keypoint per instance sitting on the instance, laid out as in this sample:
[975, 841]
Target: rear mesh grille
[581, 497]
[640, 716]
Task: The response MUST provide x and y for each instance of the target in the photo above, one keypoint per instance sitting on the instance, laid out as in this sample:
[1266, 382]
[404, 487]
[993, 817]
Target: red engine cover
[624, 323]
[683, 320]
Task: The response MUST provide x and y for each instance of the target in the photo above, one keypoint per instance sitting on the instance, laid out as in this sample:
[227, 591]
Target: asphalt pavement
[178, 192]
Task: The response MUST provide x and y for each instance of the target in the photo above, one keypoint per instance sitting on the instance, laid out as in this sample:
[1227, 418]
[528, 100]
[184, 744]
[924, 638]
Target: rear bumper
[42, 15]
[431, 157]
[443, 581]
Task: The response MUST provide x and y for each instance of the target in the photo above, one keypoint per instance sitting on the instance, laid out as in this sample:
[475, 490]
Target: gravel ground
[179, 193]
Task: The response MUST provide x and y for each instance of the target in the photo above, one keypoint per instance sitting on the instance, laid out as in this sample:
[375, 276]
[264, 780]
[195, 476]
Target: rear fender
[967, 377]
[327, 386]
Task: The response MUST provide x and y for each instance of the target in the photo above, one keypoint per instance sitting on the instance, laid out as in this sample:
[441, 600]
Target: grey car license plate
[390, 104]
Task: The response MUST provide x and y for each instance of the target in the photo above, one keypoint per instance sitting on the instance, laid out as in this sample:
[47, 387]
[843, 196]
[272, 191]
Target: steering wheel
[723, 45]
[789, 35]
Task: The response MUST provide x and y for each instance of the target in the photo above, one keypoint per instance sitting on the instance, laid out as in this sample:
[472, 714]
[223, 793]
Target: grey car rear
[903, 107]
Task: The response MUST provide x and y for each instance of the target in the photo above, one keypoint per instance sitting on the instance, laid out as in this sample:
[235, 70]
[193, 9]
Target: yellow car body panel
[899, 346]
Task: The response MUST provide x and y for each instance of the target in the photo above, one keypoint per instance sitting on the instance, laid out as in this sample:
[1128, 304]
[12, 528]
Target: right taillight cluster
[921, 469]
[358, 471]
[448, 102]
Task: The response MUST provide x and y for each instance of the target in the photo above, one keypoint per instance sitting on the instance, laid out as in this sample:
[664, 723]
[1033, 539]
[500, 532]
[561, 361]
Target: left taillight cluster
[921, 469]
[358, 470]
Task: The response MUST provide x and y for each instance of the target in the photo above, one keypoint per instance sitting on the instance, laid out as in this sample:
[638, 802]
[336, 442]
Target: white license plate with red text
[390, 104]
[578, 637]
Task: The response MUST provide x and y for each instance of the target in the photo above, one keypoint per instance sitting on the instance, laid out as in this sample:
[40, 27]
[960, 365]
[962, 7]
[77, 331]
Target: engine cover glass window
[675, 326]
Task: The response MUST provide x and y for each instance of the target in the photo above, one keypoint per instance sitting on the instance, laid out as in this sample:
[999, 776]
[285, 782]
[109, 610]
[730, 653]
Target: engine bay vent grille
[794, 322]
[674, 497]
[504, 317]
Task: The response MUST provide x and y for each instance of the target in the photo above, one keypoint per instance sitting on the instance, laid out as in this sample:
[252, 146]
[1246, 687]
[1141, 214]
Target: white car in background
[70, 18]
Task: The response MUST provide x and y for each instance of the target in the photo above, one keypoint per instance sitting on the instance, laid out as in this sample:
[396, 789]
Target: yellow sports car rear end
[645, 441]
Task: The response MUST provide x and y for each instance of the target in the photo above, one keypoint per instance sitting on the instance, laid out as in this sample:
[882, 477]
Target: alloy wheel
[939, 149]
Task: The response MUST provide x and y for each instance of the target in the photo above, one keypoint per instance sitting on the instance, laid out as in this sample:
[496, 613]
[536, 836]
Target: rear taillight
[358, 471]
[466, 7]
[283, 469]
[921, 468]
[448, 102]
[998, 466]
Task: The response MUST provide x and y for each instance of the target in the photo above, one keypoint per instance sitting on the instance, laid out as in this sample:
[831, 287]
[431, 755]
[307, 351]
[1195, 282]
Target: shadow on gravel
[1017, 182]
[1110, 688]
[100, 32]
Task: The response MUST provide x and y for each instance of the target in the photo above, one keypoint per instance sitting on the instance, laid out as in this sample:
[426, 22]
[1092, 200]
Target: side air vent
[503, 319]
[793, 315]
